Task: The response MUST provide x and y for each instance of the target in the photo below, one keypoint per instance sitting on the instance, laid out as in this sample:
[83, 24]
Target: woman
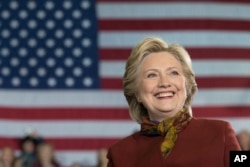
[244, 140]
[102, 157]
[7, 157]
[159, 85]
[28, 146]
[45, 156]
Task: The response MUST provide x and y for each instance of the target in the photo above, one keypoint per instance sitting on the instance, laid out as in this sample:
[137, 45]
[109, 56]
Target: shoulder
[210, 125]
[126, 142]
[123, 151]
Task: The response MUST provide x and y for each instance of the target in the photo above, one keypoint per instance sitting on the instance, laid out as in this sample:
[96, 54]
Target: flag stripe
[202, 82]
[109, 114]
[62, 98]
[173, 24]
[69, 128]
[113, 98]
[128, 39]
[68, 157]
[204, 68]
[145, 10]
[195, 53]
[222, 111]
[86, 157]
[61, 144]
[64, 113]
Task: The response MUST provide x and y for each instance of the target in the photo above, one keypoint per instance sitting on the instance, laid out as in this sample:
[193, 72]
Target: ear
[138, 97]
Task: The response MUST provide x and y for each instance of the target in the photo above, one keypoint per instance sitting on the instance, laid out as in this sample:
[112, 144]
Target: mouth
[164, 95]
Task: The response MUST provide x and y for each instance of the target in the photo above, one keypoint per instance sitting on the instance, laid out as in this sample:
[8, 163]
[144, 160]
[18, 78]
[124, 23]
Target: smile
[164, 94]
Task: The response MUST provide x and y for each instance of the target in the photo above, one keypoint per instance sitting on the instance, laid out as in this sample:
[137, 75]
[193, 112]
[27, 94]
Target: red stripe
[110, 114]
[226, 111]
[219, 53]
[195, 53]
[111, 83]
[203, 82]
[173, 24]
[64, 113]
[96, 143]
[66, 143]
[223, 82]
[82, 143]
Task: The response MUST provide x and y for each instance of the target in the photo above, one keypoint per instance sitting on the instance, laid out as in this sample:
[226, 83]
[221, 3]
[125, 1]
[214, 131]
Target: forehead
[160, 59]
[7, 150]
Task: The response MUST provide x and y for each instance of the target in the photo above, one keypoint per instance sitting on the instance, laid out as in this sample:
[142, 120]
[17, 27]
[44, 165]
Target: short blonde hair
[145, 47]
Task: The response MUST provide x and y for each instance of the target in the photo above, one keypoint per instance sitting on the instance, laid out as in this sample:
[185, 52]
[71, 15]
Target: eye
[151, 75]
[174, 73]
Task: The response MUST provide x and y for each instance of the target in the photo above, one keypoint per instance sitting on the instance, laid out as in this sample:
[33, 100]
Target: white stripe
[128, 39]
[102, 99]
[203, 68]
[62, 98]
[85, 157]
[238, 124]
[172, 10]
[106, 69]
[222, 68]
[218, 97]
[67, 129]
[69, 157]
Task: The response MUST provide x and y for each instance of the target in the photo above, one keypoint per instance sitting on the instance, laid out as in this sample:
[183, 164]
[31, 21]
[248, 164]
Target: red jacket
[203, 143]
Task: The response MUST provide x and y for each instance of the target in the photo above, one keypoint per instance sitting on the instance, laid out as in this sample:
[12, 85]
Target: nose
[163, 81]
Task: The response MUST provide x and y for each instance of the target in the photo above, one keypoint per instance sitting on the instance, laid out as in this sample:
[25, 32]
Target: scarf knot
[168, 128]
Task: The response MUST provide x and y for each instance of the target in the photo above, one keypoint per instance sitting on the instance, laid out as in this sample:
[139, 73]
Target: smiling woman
[159, 85]
[155, 57]
[163, 91]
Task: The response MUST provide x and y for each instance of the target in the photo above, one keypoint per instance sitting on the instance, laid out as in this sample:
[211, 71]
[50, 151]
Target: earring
[139, 100]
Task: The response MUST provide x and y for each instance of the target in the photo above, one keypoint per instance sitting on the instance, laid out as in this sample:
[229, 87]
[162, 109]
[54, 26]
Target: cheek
[182, 86]
[146, 87]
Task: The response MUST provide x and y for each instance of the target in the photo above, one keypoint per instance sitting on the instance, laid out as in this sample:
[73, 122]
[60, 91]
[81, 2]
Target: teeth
[165, 94]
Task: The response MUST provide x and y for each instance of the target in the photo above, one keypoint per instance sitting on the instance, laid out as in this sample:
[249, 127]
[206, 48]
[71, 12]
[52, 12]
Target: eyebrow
[154, 69]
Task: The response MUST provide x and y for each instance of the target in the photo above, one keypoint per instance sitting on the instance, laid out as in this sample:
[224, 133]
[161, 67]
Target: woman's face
[7, 155]
[45, 153]
[161, 85]
[244, 140]
[28, 147]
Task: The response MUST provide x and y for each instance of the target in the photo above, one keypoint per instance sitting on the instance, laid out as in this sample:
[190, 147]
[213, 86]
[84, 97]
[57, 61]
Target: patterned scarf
[169, 128]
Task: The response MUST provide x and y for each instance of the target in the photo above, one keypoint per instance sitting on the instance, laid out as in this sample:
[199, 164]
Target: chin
[167, 109]
[169, 112]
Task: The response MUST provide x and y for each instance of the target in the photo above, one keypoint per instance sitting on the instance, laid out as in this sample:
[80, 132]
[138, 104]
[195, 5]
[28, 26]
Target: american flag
[62, 61]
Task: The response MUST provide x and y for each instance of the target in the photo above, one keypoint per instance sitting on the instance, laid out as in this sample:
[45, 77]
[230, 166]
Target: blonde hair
[140, 51]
